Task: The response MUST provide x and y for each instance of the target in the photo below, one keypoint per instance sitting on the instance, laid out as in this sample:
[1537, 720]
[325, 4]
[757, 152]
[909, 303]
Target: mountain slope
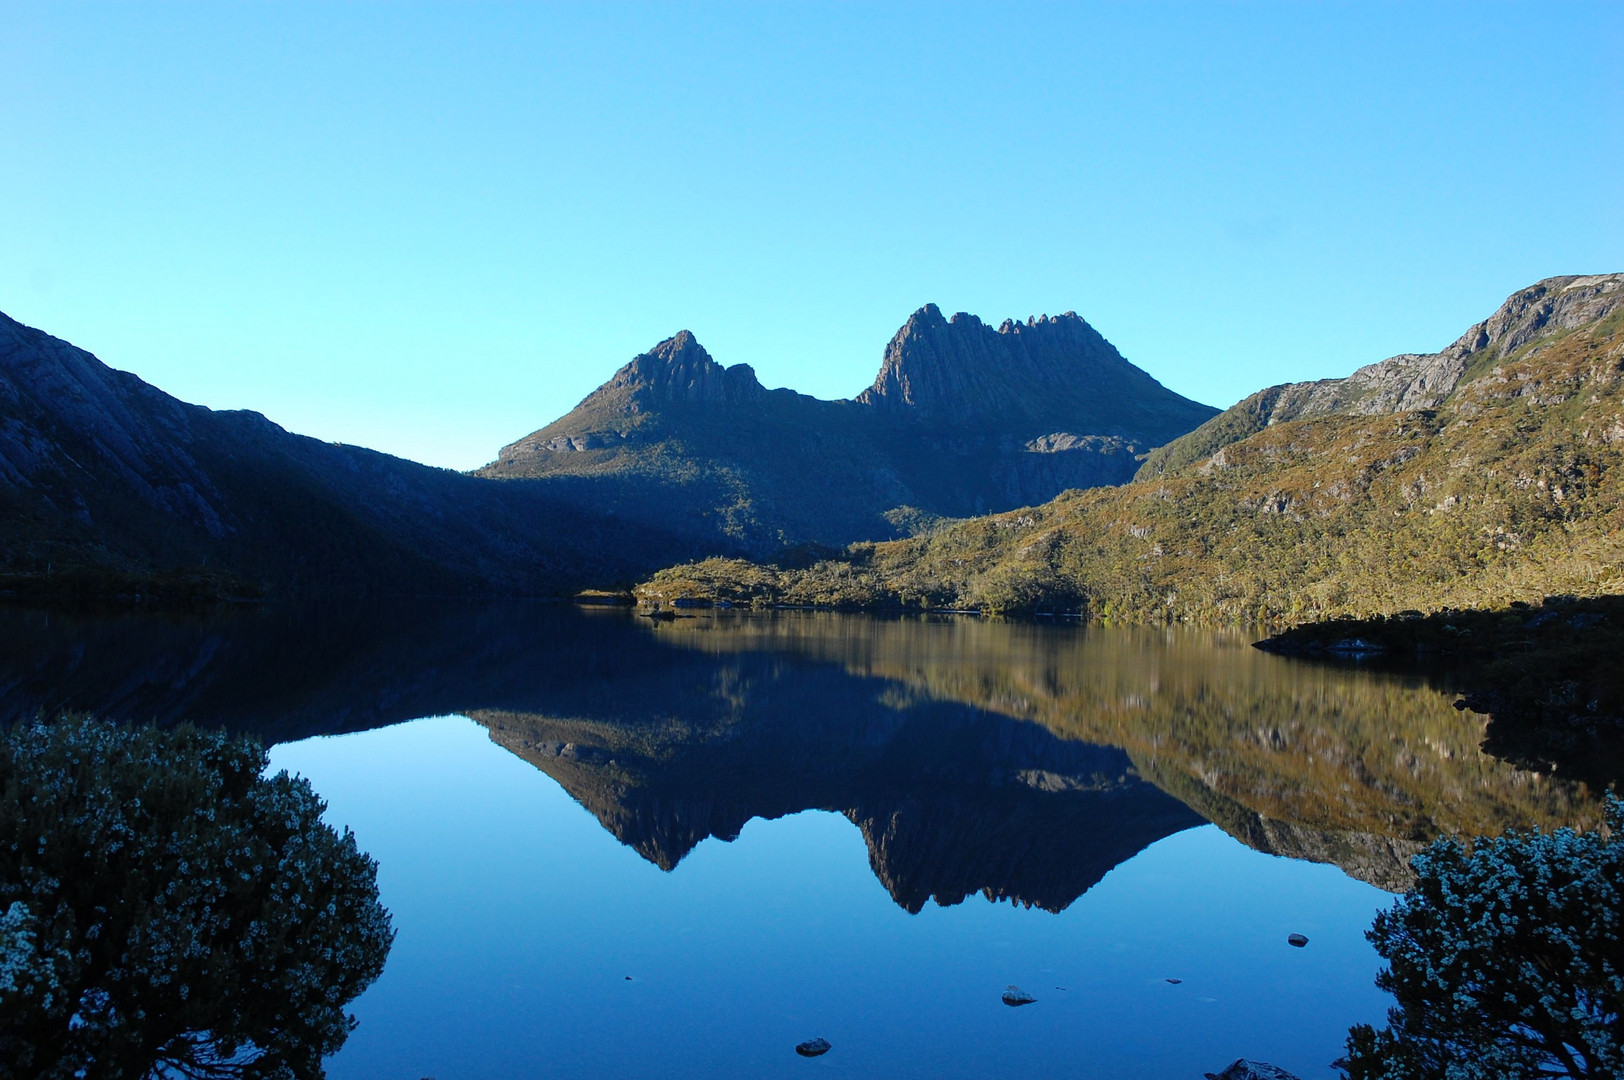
[1406, 382]
[1509, 483]
[962, 419]
[102, 474]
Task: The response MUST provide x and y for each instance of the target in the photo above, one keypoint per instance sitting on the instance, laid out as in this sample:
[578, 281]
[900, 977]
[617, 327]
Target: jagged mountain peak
[676, 370]
[1554, 304]
[929, 317]
[1049, 373]
[964, 418]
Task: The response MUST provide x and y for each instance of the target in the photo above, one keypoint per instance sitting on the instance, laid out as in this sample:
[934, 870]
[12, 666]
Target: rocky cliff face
[100, 472]
[963, 419]
[1410, 381]
[1053, 377]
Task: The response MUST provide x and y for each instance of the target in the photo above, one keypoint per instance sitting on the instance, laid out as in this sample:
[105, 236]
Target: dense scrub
[1506, 961]
[167, 910]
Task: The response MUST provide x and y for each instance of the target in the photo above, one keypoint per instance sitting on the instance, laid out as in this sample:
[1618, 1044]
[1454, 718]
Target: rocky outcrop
[1046, 375]
[1243, 1069]
[1410, 381]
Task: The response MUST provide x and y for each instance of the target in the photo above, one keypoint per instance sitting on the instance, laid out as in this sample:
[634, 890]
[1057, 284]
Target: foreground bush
[165, 909]
[1507, 961]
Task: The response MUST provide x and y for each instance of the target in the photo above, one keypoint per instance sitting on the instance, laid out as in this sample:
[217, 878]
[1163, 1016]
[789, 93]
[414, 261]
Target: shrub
[166, 909]
[1507, 962]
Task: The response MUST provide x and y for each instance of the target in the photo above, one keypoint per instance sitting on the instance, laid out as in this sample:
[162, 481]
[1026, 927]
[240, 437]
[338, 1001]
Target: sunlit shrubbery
[164, 905]
[1507, 960]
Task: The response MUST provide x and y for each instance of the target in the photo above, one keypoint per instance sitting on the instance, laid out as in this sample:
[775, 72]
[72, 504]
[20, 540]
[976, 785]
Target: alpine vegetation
[1507, 959]
[166, 909]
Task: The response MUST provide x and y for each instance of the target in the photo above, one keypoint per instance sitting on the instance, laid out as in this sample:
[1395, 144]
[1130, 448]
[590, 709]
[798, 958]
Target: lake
[616, 847]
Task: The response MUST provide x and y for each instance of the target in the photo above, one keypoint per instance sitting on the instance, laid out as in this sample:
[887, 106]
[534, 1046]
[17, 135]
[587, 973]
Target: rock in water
[1299, 940]
[1243, 1069]
[812, 1047]
[1014, 995]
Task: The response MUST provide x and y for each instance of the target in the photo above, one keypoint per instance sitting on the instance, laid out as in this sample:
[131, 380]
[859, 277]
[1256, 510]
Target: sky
[431, 229]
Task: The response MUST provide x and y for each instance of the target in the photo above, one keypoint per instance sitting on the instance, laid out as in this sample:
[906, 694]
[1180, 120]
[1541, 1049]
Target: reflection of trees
[1354, 767]
[164, 906]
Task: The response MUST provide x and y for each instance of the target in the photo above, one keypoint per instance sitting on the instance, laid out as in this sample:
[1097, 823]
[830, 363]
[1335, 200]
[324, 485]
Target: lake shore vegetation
[168, 909]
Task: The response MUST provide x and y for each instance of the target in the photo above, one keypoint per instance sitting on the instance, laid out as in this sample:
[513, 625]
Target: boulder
[812, 1047]
[1242, 1069]
[1014, 995]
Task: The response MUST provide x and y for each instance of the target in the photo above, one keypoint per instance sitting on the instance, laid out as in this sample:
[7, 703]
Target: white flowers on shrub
[1507, 960]
[167, 907]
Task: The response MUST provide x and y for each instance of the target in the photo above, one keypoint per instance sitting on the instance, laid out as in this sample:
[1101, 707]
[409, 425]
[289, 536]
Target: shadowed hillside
[107, 483]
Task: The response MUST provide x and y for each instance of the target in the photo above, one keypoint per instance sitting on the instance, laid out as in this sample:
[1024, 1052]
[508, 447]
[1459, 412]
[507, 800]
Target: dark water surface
[796, 825]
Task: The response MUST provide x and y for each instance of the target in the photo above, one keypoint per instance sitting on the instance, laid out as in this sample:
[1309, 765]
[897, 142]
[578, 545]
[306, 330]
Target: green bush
[166, 909]
[1507, 960]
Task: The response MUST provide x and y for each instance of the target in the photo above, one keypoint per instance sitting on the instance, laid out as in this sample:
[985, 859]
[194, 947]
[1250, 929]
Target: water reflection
[1020, 762]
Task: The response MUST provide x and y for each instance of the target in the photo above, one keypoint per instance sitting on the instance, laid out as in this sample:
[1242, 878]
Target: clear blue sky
[432, 229]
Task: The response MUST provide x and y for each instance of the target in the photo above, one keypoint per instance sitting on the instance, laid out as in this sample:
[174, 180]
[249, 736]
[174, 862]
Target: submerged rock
[812, 1047]
[1299, 940]
[1242, 1069]
[1014, 995]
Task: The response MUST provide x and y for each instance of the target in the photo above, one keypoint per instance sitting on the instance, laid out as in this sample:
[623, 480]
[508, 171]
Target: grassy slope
[1511, 490]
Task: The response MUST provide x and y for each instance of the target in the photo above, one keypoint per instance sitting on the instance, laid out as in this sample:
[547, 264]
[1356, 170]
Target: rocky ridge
[962, 419]
[1409, 381]
[1510, 489]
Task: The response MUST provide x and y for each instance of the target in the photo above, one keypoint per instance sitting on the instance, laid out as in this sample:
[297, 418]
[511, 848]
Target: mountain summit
[678, 369]
[1046, 373]
[962, 419]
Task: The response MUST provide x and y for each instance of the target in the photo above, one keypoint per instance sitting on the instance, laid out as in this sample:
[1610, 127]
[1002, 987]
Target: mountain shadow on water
[1015, 761]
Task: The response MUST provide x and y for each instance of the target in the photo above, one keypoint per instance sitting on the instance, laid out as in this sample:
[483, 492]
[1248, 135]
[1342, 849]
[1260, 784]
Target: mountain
[105, 480]
[1492, 470]
[962, 419]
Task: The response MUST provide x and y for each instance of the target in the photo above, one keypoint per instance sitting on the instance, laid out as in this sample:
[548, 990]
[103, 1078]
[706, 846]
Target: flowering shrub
[1507, 960]
[166, 909]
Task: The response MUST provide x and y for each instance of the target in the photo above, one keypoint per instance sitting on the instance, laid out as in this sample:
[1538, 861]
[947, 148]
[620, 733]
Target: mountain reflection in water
[1019, 761]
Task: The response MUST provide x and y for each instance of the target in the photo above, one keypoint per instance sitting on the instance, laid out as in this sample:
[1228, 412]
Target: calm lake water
[620, 848]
